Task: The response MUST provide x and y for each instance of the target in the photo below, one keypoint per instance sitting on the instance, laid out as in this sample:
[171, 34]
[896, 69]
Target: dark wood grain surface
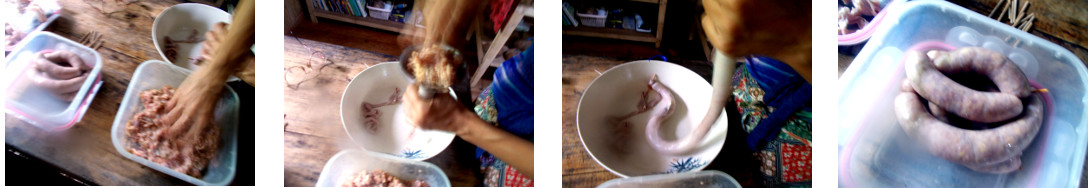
[313, 132]
[86, 150]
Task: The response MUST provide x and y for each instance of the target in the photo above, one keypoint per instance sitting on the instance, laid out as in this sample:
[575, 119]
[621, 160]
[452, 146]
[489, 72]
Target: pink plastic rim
[79, 109]
[848, 151]
[864, 33]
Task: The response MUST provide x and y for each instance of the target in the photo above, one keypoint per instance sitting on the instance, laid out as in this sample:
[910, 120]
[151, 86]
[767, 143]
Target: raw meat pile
[855, 14]
[145, 137]
[433, 66]
[31, 14]
[379, 178]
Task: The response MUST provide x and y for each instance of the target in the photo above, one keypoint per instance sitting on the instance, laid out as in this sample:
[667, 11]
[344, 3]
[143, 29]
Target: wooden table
[580, 170]
[1058, 21]
[86, 150]
[313, 132]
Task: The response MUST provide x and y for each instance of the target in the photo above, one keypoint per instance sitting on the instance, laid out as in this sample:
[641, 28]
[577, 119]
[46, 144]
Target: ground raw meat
[145, 137]
[856, 14]
[433, 66]
[379, 178]
[371, 112]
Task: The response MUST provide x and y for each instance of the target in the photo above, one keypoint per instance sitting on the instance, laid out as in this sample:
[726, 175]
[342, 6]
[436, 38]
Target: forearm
[513, 150]
[232, 54]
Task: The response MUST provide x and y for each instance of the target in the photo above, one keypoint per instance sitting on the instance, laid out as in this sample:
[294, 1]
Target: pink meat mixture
[379, 178]
[145, 138]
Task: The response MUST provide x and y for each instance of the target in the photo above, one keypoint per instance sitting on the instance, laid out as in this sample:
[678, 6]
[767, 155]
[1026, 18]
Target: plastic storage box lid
[154, 74]
[36, 105]
[348, 163]
[871, 144]
[709, 178]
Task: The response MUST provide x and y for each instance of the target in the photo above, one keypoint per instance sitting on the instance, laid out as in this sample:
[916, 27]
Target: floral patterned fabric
[786, 159]
[496, 172]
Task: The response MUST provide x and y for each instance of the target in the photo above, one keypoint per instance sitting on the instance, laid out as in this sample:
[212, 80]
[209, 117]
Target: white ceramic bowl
[617, 91]
[348, 163]
[375, 85]
[178, 23]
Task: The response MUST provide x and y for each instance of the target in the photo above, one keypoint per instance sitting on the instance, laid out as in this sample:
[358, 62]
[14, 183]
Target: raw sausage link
[990, 149]
[60, 65]
[985, 107]
[1006, 75]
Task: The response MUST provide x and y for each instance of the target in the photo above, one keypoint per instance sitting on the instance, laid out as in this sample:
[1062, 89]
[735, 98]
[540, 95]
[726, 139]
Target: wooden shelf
[610, 33]
[387, 25]
[622, 34]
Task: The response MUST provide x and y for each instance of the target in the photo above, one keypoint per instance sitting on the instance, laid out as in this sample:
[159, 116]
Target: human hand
[211, 41]
[191, 112]
[779, 29]
[440, 112]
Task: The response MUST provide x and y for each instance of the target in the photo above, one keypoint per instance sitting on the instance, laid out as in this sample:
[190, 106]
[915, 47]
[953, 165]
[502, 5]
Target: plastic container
[40, 107]
[348, 163]
[154, 74]
[874, 151]
[863, 34]
[29, 21]
[380, 13]
[592, 20]
[710, 178]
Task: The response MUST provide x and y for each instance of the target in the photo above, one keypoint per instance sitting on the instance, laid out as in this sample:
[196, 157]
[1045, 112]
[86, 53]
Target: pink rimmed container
[874, 151]
[36, 105]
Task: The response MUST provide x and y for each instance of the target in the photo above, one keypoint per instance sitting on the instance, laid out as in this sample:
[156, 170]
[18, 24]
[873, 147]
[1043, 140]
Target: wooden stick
[1012, 11]
[1003, 10]
[1020, 15]
[992, 12]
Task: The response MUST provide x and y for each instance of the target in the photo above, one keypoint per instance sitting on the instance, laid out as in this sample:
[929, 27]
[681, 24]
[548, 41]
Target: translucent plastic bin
[874, 151]
[154, 74]
[29, 20]
[348, 163]
[709, 178]
[863, 34]
[36, 105]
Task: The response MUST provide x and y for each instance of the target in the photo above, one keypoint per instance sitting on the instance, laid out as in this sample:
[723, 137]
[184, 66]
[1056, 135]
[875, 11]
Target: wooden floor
[348, 35]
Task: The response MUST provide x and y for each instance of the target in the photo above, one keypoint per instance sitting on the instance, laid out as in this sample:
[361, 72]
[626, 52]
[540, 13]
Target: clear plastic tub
[709, 178]
[36, 105]
[348, 163]
[863, 34]
[28, 21]
[154, 74]
[874, 151]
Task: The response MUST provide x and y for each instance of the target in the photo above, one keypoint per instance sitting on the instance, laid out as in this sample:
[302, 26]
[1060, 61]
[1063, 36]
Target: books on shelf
[346, 7]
